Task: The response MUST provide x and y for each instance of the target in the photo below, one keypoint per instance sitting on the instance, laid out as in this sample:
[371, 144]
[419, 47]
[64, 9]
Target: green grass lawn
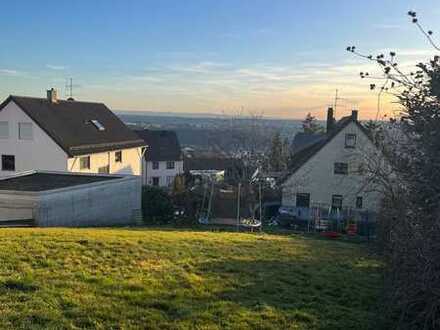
[178, 279]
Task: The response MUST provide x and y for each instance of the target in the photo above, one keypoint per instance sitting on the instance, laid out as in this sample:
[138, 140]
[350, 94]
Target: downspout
[144, 179]
[109, 169]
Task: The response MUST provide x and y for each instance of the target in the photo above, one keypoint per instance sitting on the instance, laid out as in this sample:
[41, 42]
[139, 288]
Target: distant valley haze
[281, 59]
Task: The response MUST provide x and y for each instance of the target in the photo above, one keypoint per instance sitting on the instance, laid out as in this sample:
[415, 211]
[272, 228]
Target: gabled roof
[304, 154]
[69, 124]
[206, 164]
[162, 145]
[304, 140]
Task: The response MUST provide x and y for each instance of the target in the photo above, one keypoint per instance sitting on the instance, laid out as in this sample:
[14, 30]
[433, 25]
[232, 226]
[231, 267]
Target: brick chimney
[354, 114]
[330, 119]
[52, 95]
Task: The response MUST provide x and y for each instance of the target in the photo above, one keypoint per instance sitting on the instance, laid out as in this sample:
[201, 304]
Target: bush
[157, 207]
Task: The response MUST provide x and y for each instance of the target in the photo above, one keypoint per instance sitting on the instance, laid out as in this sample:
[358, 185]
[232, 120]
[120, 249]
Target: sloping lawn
[177, 279]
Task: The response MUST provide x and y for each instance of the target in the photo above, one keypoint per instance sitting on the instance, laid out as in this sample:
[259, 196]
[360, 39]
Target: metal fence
[321, 217]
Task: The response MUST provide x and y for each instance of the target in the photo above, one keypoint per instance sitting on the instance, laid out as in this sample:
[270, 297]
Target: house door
[336, 202]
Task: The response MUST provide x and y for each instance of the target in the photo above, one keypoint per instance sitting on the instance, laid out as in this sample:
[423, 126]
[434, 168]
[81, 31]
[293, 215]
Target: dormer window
[98, 125]
[350, 140]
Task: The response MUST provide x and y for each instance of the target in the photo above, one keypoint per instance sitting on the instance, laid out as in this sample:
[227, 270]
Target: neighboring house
[163, 159]
[229, 169]
[65, 135]
[328, 170]
[304, 140]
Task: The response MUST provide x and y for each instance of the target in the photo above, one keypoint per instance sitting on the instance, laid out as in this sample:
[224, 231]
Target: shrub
[157, 207]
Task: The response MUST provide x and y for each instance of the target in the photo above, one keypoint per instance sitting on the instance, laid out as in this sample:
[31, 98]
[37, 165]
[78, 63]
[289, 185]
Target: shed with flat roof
[65, 199]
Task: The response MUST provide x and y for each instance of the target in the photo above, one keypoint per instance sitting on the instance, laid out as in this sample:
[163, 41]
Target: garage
[53, 199]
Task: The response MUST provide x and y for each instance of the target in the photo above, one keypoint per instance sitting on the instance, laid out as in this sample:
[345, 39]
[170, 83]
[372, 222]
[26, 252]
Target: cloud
[145, 78]
[56, 67]
[288, 90]
[389, 26]
[10, 72]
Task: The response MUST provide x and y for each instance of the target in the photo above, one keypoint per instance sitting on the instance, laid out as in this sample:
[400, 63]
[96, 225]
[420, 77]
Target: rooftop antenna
[337, 98]
[69, 88]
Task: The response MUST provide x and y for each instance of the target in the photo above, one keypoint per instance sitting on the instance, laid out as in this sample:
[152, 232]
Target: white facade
[162, 175]
[317, 178]
[129, 164]
[40, 152]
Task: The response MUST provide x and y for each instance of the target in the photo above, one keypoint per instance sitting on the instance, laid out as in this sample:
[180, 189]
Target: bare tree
[411, 203]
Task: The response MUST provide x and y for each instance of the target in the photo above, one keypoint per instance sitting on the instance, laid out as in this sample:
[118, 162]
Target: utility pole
[261, 208]
[238, 206]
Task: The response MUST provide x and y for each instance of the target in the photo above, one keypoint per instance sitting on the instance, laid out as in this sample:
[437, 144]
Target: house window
[359, 202]
[170, 165]
[155, 165]
[8, 163]
[302, 200]
[336, 202]
[4, 130]
[118, 156]
[350, 140]
[104, 170]
[84, 163]
[25, 131]
[341, 168]
[361, 169]
[155, 181]
[170, 180]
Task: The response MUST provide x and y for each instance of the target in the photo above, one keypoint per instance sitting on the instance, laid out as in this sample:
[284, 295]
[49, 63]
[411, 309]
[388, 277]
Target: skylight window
[98, 125]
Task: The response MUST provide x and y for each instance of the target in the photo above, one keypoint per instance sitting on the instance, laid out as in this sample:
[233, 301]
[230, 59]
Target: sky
[278, 58]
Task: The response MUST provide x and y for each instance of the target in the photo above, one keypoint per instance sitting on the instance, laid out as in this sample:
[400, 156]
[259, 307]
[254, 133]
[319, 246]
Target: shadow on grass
[272, 294]
[329, 295]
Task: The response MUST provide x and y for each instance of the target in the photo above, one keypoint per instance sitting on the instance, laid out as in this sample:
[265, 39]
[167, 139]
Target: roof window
[98, 125]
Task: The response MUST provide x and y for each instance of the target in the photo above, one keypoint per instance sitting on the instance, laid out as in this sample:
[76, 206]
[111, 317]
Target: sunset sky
[282, 58]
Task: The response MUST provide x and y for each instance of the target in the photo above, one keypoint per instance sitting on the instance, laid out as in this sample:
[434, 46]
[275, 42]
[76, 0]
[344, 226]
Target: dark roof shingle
[69, 124]
[304, 140]
[162, 145]
[218, 164]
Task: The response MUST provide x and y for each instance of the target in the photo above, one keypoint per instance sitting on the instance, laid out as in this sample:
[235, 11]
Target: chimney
[354, 114]
[330, 119]
[52, 95]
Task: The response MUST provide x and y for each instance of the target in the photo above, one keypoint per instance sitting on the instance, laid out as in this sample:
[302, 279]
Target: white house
[329, 170]
[65, 135]
[164, 160]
